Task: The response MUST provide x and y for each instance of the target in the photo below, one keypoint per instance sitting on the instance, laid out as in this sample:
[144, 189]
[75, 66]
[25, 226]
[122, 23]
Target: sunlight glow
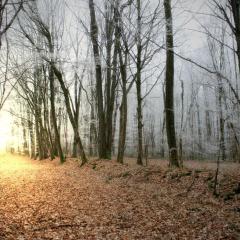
[4, 139]
[9, 164]
[5, 131]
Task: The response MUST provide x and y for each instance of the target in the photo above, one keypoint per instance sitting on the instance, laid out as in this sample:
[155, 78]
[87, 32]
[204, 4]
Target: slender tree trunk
[123, 72]
[114, 124]
[39, 151]
[200, 145]
[54, 119]
[122, 127]
[74, 149]
[162, 150]
[139, 86]
[221, 121]
[181, 128]
[93, 130]
[207, 117]
[110, 104]
[110, 77]
[235, 8]
[236, 142]
[43, 137]
[139, 123]
[92, 134]
[66, 134]
[123, 114]
[24, 132]
[46, 114]
[31, 136]
[169, 99]
[48, 129]
[76, 116]
[70, 113]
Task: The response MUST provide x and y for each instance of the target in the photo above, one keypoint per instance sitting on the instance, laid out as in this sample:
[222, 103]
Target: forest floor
[106, 200]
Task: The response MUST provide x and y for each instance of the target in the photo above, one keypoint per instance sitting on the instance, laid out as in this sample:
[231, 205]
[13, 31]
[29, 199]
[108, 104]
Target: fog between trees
[122, 78]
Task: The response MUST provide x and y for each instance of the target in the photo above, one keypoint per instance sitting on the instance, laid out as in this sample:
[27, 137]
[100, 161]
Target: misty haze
[119, 119]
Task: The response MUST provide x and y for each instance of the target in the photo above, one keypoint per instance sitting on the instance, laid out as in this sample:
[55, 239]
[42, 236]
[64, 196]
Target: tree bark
[169, 92]
[102, 146]
[139, 86]
[70, 114]
[93, 130]
[53, 114]
[110, 84]
[235, 5]
[31, 135]
[123, 73]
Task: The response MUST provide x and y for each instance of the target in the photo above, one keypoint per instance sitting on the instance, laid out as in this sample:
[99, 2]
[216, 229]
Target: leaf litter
[106, 200]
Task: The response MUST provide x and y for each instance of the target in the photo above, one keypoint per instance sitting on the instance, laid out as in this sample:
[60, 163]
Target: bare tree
[44, 31]
[105, 104]
[9, 10]
[230, 13]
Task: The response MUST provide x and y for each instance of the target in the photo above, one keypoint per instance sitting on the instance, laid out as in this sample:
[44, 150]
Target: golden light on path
[9, 164]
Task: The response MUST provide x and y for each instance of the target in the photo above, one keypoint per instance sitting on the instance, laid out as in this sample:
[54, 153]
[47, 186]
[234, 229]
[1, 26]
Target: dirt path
[45, 200]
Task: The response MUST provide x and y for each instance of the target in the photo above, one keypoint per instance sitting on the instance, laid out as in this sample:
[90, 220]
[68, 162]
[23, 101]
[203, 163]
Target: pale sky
[188, 42]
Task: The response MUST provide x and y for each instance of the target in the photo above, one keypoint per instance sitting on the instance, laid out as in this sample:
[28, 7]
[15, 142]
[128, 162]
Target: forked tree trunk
[110, 105]
[53, 114]
[102, 146]
[70, 113]
[123, 72]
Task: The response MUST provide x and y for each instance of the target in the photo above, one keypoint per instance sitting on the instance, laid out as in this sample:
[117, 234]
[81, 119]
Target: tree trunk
[139, 86]
[169, 97]
[181, 128]
[102, 149]
[122, 127]
[70, 113]
[139, 121]
[200, 145]
[162, 150]
[39, 151]
[235, 5]
[93, 130]
[221, 120]
[110, 105]
[31, 135]
[114, 124]
[123, 72]
[110, 78]
[54, 119]
[74, 148]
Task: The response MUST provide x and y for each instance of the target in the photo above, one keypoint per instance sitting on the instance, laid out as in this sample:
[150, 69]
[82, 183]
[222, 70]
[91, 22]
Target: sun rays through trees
[125, 107]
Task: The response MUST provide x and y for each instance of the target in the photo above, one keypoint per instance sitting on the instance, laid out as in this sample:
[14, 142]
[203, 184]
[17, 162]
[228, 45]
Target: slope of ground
[105, 200]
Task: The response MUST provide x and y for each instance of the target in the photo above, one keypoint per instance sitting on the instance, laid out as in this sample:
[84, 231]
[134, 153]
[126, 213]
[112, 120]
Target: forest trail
[46, 200]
